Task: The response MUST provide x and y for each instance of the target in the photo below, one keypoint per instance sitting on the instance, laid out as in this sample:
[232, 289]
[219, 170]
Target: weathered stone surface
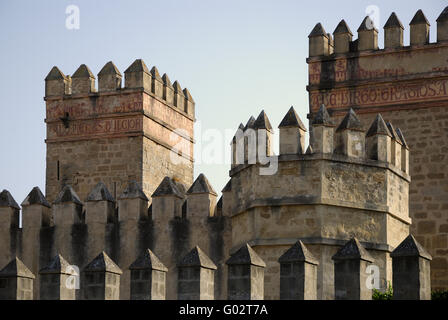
[246, 256]
[133, 191]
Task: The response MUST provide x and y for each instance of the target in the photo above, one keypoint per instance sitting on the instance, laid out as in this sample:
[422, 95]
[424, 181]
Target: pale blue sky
[236, 57]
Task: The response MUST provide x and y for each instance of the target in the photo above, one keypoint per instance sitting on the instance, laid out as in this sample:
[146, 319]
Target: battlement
[100, 279]
[169, 221]
[408, 86]
[382, 145]
[346, 174]
[117, 133]
[323, 44]
[137, 77]
[357, 73]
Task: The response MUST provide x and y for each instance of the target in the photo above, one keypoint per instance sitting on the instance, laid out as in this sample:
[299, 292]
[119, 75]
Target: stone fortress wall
[120, 201]
[408, 85]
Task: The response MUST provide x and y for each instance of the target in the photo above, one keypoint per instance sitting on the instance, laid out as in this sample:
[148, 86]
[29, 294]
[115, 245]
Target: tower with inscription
[408, 85]
[142, 131]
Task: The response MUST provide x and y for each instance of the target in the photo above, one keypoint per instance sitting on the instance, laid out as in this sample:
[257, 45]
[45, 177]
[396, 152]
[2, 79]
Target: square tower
[142, 132]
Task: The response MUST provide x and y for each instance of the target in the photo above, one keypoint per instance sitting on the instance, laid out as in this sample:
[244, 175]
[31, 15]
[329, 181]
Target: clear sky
[236, 58]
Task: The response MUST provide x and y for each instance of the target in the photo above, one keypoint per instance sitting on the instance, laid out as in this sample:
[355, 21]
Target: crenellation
[408, 86]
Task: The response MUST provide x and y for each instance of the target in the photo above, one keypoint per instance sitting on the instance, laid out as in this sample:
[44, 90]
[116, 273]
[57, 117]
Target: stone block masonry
[118, 134]
[408, 85]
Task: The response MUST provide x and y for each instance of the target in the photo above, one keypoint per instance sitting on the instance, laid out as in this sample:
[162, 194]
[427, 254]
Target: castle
[121, 204]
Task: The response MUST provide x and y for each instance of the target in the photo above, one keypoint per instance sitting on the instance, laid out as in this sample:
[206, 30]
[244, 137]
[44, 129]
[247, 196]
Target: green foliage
[439, 295]
[387, 295]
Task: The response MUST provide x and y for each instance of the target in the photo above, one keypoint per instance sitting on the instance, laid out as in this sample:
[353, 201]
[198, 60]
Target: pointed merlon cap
[57, 265]
[250, 123]
[322, 118]
[443, 16]
[36, 197]
[83, 72]
[148, 261]
[166, 81]
[55, 74]
[419, 18]
[100, 193]
[109, 68]
[188, 95]
[102, 263]
[342, 27]
[155, 73]
[298, 253]
[318, 30]
[393, 132]
[262, 122]
[309, 150]
[177, 88]
[7, 200]
[227, 187]
[167, 188]
[133, 191]
[378, 127]
[353, 250]
[137, 66]
[197, 258]
[367, 25]
[201, 185]
[393, 22]
[246, 256]
[16, 268]
[402, 139]
[410, 248]
[350, 122]
[292, 119]
[67, 194]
